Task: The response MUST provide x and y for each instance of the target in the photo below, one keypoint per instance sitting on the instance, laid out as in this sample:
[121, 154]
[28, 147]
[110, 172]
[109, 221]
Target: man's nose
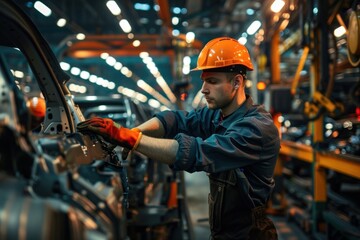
[204, 89]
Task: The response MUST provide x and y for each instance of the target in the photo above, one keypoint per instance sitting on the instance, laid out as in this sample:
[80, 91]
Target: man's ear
[237, 81]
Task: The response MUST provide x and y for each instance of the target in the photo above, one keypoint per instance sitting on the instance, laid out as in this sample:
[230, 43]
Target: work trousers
[231, 211]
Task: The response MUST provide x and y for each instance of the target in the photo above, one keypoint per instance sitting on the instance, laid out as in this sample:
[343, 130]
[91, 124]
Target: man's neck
[234, 105]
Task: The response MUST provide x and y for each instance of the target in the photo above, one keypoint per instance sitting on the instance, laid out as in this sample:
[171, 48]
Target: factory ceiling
[115, 47]
[157, 27]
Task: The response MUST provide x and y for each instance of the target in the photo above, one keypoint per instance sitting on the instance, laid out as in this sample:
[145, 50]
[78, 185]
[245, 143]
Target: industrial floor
[197, 189]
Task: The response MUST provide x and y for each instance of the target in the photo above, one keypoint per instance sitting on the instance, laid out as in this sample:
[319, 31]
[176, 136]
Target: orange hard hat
[223, 52]
[37, 106]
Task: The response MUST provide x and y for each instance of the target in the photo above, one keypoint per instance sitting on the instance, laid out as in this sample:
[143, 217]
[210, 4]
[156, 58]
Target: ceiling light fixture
[84, 75]
[80, 36]
[61, 22]
[242, 40]
[75, 71]
[42, 8]
[186, 65]
[190, 37]
[77, 88]
[110, 61]
[125, 25]
[175, 20]
[104, 55]
[18, 74]
[277, 6]
[154, 103]
[142, 6]
[128, 73]
[136, 43]
[254, 26]
[111, 85]
[140, 97]
[65, 66]
[118, 65]
[157, 75]
[165, 87]
[175, 32]
[147, 88]
[113, 7]
[93, 78]
[338, 32]
[250, 11]
[176, 10]
[144, 54]
[197, 99]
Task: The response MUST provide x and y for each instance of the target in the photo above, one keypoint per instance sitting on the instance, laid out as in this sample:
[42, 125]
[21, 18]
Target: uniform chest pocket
[215, 201]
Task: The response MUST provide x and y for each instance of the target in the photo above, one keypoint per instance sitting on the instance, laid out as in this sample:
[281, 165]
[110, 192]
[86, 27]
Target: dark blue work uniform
[239, 154]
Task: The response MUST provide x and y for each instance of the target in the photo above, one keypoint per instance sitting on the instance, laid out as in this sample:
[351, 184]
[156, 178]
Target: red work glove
[111, 132]
[125, 152]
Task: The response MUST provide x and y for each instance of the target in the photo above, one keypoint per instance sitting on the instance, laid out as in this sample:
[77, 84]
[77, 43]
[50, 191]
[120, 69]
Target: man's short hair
[232, 68]
[236, 69]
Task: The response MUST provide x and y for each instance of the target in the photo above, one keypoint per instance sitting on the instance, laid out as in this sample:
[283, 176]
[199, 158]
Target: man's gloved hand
[125, 152]
[111, 132]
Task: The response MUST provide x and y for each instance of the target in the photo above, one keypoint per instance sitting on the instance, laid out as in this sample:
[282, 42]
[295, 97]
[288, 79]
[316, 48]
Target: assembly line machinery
[57, 183]
[317, 109]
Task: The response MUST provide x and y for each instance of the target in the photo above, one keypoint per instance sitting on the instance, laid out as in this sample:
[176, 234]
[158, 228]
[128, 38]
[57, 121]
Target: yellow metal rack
[345, 164]
[321, 161]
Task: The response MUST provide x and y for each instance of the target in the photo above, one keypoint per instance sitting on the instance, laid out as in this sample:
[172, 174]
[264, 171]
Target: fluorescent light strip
[128, 73]
[146, 87]
[277, 5]
[254, 26]
[85, 75]
[159, 79]
[113, 7]
[197, 99]
[42, 8]
[125, 25]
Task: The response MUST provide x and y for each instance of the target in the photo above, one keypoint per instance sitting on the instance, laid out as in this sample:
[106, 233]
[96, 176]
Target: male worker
[231, 139]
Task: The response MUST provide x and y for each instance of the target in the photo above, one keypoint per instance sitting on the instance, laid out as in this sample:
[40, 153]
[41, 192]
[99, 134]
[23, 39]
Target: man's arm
[148, 141]
[162, 150]
[153, 127]
[153, 145]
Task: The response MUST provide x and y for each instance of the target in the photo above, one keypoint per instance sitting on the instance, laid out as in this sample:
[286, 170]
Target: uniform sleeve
[240, 146]
[189, 123]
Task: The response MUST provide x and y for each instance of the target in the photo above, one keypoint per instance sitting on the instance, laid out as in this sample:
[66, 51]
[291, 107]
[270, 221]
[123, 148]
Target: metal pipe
[300, 67]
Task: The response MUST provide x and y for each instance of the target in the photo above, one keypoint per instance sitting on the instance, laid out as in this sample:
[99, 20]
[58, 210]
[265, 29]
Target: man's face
[218, 90]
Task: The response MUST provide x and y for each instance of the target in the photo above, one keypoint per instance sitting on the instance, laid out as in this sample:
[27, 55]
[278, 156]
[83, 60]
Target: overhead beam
[120, 45]
[164, 14]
